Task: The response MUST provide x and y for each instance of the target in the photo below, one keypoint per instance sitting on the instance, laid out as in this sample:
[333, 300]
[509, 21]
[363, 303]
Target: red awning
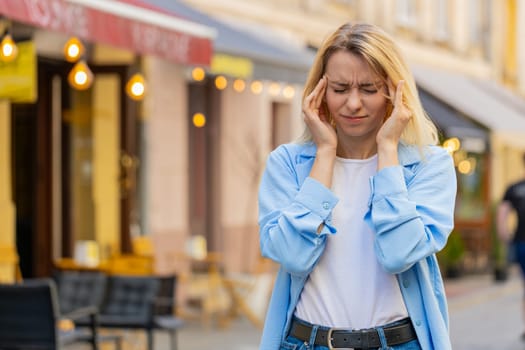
[122, 24]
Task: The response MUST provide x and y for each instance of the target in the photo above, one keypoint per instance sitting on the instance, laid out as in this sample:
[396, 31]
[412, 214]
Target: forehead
[349, 67]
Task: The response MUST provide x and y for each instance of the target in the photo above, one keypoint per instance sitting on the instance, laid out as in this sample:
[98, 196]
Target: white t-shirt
[348, 288]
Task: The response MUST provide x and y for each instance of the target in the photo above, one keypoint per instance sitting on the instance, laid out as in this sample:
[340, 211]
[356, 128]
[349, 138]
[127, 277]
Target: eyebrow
[346, 84]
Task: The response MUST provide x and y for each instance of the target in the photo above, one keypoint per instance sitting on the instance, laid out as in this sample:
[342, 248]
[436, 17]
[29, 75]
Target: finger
[399, 94]
[320, 93]
[307, 100]
[314, 101]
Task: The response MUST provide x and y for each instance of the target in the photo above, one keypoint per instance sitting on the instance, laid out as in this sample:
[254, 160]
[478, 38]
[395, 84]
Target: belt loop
[313, 335]
[382, 338]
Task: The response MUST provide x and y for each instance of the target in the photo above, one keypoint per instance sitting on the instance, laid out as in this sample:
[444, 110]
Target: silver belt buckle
[329, 337]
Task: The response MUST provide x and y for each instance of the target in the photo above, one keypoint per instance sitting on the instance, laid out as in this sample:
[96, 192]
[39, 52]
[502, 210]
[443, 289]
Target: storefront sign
[237, 67]
[118, 24]
[18, 78]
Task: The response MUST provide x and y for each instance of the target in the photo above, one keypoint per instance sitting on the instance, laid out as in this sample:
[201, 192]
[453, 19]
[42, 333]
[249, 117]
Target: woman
[355, 211]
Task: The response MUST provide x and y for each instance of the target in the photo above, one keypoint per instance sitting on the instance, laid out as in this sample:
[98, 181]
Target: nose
[353, 101]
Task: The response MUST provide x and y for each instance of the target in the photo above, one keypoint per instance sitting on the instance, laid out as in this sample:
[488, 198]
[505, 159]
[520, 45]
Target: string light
[239, 85]
[274, 89]
[135, 87]
[8, 49]
[467, 166]
[256, 87]
[289, 91]
[198, 74]
[452, 144]
[80, 77]
[73, 49]
[199, 120]
[221, 82]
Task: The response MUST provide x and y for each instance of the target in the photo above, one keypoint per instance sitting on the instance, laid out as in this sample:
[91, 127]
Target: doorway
[52, 167]
[204, 160]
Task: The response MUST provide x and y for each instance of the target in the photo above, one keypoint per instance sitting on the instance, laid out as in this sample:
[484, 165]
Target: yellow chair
[142, 245]
[9, 264]
[201, 294]
[129, 264]
[251, 292]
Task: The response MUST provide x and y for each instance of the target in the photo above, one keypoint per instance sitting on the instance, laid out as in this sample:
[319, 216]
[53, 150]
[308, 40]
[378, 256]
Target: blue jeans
[519, 254]
[291, 343]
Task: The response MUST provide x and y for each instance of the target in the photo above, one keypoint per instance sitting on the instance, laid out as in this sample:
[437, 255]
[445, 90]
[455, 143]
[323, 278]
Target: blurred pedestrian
[355, 210]
[514, 202]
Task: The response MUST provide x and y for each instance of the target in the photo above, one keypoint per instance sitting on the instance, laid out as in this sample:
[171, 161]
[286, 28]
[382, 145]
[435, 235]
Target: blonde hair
[383, 56]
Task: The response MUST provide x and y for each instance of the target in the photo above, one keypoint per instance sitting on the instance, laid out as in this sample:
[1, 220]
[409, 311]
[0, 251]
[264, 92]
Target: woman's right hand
[317, 119]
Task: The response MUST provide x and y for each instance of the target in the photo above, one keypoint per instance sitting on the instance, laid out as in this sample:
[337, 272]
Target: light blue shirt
[411, 211]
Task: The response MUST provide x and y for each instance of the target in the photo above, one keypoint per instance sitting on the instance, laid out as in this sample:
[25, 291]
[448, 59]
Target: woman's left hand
[393, 127]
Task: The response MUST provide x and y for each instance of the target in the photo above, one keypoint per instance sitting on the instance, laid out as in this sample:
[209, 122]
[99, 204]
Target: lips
[353, 117]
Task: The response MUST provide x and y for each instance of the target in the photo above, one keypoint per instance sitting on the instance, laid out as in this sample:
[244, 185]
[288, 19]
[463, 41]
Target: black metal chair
[164, 313]
[29, 315]
[77, 289]
[140, 302]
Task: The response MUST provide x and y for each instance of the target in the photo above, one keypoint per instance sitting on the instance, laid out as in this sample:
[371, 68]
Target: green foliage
[451, 257]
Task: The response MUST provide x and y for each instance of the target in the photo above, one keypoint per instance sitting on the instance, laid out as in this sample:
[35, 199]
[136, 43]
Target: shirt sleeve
[412, 210]
[290, 214]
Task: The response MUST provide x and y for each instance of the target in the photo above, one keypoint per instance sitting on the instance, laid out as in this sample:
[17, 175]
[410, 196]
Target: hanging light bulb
[198, 74]
[80, 77]
[73, 49]
[136, 87]
[8, 49]
[199, 120]
[221, 82]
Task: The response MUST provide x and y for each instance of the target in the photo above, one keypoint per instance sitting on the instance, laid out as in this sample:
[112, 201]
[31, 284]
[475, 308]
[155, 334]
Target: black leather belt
[336, 338]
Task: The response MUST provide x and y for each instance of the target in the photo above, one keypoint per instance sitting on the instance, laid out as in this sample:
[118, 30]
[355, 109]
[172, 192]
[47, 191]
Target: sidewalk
[485, 315]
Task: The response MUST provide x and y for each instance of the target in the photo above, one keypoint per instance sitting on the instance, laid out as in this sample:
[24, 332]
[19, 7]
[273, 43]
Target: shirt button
[406, 283]
[326, 205]
[418, 323]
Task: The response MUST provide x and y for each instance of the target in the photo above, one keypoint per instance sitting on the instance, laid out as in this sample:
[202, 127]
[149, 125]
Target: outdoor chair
[251, 292]
[77, 289]
[29, 318]
[139, 302]
[164, 312]
[9, 259]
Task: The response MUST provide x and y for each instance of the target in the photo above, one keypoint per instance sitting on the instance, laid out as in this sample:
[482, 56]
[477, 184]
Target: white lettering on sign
[153, 40]
[59, 15]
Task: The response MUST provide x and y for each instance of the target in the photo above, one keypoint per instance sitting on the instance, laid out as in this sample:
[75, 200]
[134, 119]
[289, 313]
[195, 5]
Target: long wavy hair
[378, 49]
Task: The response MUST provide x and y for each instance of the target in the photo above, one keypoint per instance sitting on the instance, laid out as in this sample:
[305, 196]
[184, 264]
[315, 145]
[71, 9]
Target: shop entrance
[73, 167]
[204, 160]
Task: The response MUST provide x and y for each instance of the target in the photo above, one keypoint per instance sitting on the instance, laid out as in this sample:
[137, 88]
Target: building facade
[185, 161]
[69, 155]
[96, 166]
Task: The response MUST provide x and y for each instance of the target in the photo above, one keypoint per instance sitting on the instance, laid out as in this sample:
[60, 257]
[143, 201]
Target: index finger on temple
[317, 92]
[399, 93]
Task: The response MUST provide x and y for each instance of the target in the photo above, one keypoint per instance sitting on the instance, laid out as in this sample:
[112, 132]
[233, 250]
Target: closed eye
[369, 88]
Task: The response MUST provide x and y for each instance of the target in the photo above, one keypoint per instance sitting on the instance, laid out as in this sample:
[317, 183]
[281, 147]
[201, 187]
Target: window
[479, 27]
[472, 186]
[441, 8]
[407, 13]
